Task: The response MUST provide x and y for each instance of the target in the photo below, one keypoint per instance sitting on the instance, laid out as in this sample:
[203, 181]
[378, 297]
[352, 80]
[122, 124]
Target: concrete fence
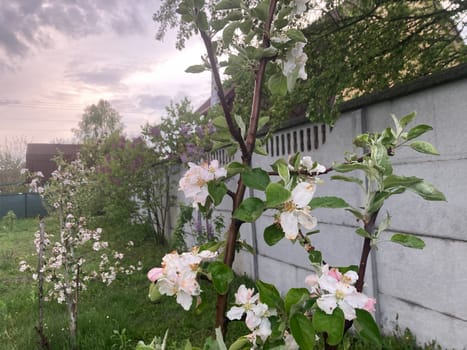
[425, 290]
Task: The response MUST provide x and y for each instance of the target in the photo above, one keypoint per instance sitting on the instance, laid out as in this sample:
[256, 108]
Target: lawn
[113, 317]
[117, 316]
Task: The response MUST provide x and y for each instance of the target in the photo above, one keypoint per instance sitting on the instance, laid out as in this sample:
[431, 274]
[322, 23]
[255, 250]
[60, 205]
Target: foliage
[9, 220]
[12, 161]
[392, 42]
[62, 269]
[182, 135]
[98, 122]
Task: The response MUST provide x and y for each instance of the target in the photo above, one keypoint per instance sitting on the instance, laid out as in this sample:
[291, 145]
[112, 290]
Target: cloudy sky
[59, 56]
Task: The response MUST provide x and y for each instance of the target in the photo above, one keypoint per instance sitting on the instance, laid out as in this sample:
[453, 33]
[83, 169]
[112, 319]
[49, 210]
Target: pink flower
[155, 273]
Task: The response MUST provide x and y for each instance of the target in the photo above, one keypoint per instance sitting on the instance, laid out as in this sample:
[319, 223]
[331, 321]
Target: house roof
[39, 156]
[229, 96]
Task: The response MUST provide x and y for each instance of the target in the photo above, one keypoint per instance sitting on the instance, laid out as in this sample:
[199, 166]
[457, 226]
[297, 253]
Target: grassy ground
[113, 317]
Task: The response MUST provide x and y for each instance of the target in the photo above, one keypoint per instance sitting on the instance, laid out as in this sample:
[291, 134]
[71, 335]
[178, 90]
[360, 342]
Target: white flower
[194, 183]
[312, 167]
[337, 290]
[177, 276]
[256, 312]
[296, 211]
[295, 62]
[299, 6]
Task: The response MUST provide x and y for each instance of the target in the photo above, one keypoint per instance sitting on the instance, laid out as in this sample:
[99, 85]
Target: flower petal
[155, 273]
[327, 303]
[185, 300]
[235, 313]
[289, 224]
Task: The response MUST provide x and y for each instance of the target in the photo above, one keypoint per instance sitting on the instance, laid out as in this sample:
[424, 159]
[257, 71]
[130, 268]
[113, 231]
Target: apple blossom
[295, 62]
[337, 290]
[312, 167]
[257, 313]
[296, 212]
[194, 183]
[178, 273]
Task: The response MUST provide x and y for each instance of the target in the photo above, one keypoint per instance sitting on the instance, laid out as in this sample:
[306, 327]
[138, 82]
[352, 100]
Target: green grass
[113, 317]
[117, 316]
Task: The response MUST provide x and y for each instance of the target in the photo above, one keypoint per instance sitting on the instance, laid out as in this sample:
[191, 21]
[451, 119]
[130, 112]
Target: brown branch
[233, 128]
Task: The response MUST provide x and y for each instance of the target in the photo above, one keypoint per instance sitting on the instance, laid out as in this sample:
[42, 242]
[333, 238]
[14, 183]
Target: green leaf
[228, 33]
[228, 4]
[202, 21]
[276, 194]
[394, 181]
[222, 136]
[273, 234]
[142, 346]
[377, 201]
[346, 167]
[294, 296]
[277, 84]
[219, 24]
[220, 123]
[220, 144]
[220, 339]
[407, 119]
[154, 293]
[408, 240]
[246, 26]
[283, 170]
[361, 232]
[367, 328]
[221, 276]
[427, 191]
[217, 190]
[261, 10]
[241, 343]
[424, 147]
[262, 122]
[347, 179]
[418, 130]
[332, 325]
[197, 68]
[259, 149]
[328, 202]
[296, 35]
[269, 295]
[362, 141]
[250, 209]
[256, 178]
[315, 257]
[240, 123]
[235, 168]
[355, 213]
[397, 124]
[302, 331]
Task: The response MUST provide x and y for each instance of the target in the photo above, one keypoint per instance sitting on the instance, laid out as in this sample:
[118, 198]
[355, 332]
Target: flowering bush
[62, 267]
[258, 37]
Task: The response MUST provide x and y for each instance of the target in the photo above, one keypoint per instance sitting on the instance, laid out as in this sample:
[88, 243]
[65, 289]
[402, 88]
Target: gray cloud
[7, 101]
[103, 75]
[153, 102]
[26, 24]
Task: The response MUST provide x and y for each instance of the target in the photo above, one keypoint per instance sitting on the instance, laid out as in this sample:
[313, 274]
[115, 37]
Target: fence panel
[24, 205]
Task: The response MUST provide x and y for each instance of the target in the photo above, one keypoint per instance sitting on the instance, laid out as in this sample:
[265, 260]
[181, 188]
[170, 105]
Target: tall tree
[98, 122]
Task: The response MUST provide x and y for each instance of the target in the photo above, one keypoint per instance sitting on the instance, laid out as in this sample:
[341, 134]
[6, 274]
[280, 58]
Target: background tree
[98, 122]
[12, 160]
[354, 48]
